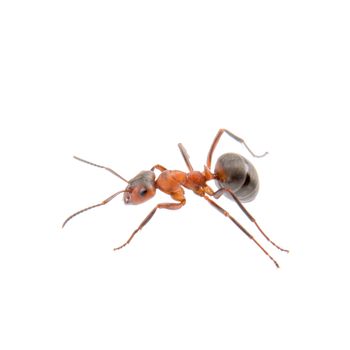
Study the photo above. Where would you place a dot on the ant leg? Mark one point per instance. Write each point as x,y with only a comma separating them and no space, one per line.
185,156
220,192
93,206
170,206
224,212
238,139
159,167
103,167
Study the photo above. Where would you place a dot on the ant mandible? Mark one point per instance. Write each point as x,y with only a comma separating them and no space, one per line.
235,176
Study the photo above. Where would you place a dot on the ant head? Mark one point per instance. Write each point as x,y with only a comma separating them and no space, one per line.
141,188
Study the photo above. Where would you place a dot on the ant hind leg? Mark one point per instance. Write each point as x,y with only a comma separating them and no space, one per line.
235,137
221,191
224,212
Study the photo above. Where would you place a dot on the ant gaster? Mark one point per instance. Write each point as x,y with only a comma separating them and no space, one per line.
235,176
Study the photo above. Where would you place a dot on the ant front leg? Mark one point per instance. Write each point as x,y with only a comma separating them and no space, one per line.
170,206
158,167
235,137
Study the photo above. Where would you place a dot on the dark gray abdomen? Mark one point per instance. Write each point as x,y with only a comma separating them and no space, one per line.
235,172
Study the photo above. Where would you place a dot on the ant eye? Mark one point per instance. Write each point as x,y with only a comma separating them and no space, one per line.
143,191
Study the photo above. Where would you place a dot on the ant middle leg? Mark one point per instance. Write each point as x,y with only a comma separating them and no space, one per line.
235,137
185,156
170,206
221,191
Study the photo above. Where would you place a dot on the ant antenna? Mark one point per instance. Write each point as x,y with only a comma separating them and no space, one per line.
93,206
101,166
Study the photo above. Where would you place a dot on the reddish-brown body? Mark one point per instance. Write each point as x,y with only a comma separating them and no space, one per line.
235,175
171,182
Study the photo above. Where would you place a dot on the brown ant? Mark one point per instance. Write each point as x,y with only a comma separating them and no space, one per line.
235,176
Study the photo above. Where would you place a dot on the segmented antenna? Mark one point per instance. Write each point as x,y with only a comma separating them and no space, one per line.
103,167
93,206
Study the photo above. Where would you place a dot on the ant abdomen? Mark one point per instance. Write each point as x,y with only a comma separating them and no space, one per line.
234,172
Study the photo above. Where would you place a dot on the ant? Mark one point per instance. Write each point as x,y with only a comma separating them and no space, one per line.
235,176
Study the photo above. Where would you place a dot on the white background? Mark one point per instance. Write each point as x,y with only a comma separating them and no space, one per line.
120,83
